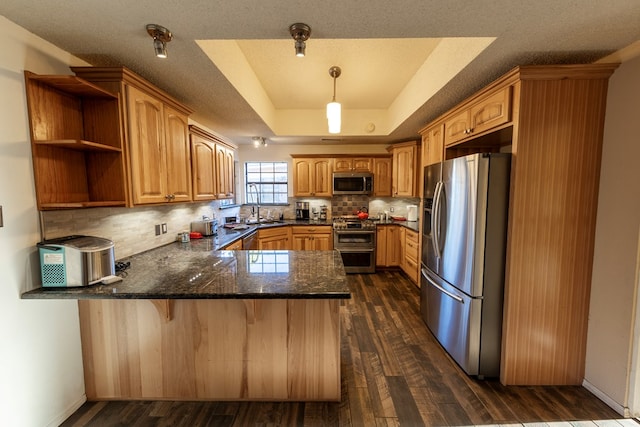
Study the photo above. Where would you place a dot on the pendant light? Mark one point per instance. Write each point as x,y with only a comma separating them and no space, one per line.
334,109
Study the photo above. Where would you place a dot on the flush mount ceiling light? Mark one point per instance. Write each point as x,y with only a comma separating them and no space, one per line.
161,36
300,33
259,141
334,108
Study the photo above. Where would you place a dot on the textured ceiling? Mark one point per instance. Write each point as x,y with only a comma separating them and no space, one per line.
350,32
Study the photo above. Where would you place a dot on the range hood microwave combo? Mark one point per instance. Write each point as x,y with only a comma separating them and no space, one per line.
352,183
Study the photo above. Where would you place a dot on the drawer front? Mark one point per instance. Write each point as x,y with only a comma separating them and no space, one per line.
411,250
273,232
321,229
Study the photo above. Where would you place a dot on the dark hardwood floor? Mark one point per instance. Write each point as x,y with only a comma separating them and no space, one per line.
393,373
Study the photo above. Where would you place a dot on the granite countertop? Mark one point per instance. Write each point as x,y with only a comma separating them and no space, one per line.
193,271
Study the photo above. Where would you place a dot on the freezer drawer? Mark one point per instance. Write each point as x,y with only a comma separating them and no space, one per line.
454,319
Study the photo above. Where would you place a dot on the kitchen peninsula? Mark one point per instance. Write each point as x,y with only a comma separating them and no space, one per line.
188,323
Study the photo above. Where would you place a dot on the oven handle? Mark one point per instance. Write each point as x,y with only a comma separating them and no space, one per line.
355,249
354,231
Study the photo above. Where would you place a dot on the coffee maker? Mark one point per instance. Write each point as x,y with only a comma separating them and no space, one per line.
302,210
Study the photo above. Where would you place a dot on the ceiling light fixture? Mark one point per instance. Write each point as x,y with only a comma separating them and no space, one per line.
259,141
334,109
300,33
161,36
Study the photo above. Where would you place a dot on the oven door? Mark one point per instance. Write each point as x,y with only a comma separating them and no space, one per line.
347,239
358,260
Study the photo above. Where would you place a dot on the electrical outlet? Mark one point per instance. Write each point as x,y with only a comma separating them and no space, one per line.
391,209
164,228
158,229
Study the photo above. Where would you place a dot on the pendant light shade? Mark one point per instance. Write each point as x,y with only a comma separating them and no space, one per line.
334,109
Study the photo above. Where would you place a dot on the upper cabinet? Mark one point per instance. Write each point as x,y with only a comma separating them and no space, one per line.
432,145
212,166
156,136
487,113
312,177
405,167
353,164
382,176
76,143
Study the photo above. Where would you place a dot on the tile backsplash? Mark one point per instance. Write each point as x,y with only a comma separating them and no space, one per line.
131,229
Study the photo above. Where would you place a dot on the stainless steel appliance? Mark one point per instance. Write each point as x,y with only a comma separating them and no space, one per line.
302,210
356,241
352,183
76,261
250,242
206,227
463,253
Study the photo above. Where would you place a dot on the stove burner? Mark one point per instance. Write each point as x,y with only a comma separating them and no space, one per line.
352,223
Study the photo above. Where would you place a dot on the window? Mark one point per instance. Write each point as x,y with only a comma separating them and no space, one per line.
269,180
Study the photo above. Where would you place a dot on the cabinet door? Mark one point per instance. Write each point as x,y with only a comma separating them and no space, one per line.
362,164
322,242
225,168
299,242
457,127
229,170
381,246
433,146
394,251
404,171
322,178
203,161
342,164
273,243
146,148
382,177
302,175
178,155
492,111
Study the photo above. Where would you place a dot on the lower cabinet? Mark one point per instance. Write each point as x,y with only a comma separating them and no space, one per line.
410,264
276,238
235,246
312,238
388,248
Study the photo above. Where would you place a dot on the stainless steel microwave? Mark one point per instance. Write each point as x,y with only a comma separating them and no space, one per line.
352,183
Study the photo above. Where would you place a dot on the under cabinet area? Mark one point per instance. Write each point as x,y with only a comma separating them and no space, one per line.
76,143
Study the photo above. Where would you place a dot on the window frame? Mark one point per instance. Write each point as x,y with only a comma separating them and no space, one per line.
247,183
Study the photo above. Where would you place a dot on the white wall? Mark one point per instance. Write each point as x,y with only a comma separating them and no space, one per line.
41,379
613,293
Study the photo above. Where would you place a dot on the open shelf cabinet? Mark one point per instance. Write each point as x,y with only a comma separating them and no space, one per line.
76,143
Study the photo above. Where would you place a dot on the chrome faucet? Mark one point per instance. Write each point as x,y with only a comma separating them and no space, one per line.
256,206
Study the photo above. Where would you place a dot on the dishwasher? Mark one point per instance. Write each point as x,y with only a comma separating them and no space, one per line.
250,241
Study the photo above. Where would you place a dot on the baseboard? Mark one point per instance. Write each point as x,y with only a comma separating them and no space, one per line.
68,412
606,399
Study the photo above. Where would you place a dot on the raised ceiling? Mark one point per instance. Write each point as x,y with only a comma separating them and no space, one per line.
404,62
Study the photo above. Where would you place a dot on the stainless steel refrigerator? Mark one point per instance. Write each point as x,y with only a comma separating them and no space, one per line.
463,257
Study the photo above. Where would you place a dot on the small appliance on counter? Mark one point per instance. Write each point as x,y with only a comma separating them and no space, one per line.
74,261
302,210
412,213
206,227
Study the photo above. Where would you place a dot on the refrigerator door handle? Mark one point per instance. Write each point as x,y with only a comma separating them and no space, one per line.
440,288
435,219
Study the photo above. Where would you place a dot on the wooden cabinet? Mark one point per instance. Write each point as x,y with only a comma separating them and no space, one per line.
312,177
235,246
276,238
404,170
410,262
159,150
212,166
353,164
76,144
226,168
388,249
487,113
552,119
312,238
156,136
432,145
382,176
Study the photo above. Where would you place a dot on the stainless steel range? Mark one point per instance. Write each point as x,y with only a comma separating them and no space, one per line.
355,239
